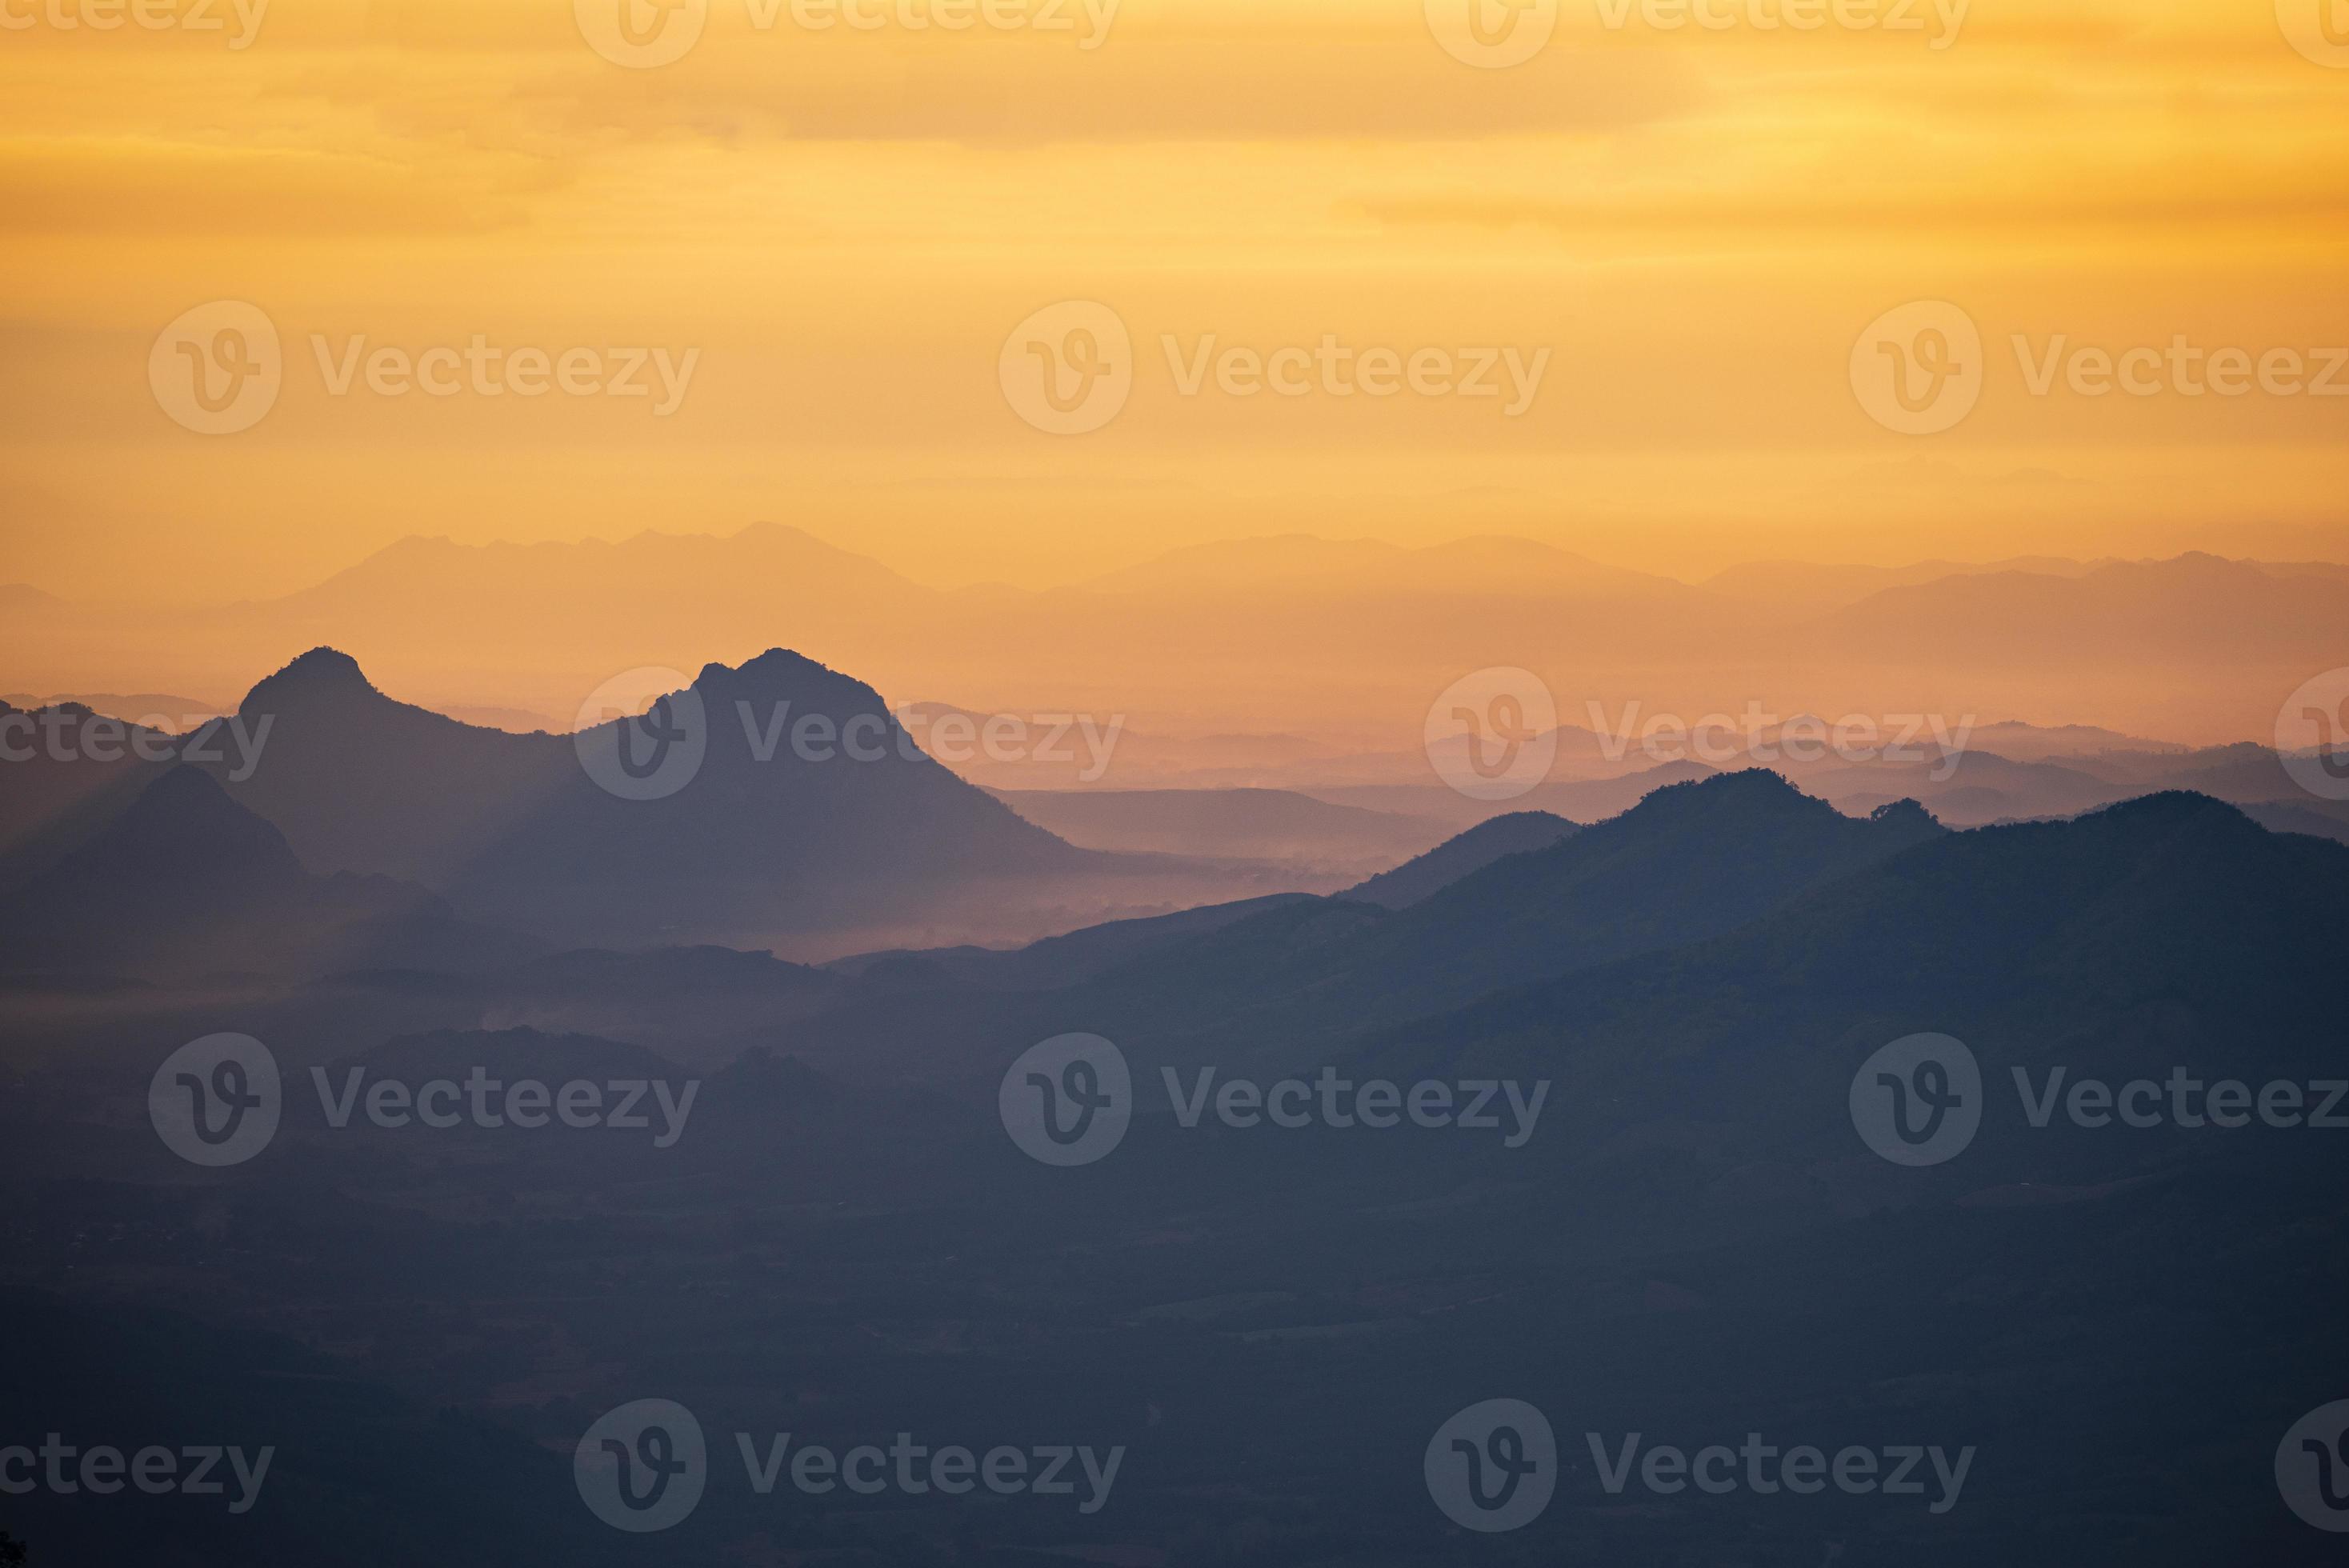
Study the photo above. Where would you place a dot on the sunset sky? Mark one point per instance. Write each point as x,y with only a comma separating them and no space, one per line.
1696,223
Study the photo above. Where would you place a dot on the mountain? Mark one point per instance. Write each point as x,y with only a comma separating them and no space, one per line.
183,880
1691,861
66,762
2165,930
794,806
1308,563
809,809
1265,634
1516,832
359,781
2195,609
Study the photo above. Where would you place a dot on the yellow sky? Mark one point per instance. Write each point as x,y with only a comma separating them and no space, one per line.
1695,223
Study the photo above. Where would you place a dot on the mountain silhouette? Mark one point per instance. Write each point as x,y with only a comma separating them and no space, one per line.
183,879
810,807
1512,834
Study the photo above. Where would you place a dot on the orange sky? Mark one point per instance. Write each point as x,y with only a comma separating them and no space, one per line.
844,226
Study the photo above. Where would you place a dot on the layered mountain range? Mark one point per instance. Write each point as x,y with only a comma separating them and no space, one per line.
1301,635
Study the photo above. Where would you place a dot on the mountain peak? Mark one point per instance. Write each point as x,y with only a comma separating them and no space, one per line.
321,672
779,674
1904,811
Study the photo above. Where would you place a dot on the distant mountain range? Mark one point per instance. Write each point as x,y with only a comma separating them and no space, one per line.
1298,635
803,818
